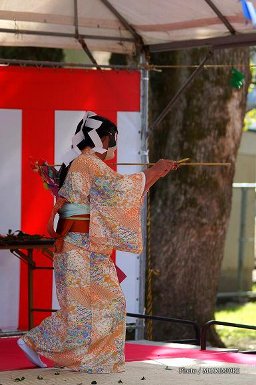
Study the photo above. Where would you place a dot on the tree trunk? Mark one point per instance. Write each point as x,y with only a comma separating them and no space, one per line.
190,208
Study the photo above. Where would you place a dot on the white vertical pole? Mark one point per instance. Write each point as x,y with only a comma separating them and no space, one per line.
144,86
10,214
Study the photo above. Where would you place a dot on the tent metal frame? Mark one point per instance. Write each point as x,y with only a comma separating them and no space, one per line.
64,34
80,38
221,17
45,63
231,40
136,37
144,92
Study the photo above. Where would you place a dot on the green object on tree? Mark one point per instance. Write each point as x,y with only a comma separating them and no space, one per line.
237,78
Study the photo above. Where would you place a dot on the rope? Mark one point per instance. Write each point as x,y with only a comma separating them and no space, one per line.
150,273
155,67
149,296
148,67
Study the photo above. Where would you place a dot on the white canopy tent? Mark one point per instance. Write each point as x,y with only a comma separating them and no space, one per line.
124,26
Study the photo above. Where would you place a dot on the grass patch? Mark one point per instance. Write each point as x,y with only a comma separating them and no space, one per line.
237,313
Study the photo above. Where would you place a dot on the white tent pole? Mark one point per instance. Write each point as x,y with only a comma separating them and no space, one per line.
144,85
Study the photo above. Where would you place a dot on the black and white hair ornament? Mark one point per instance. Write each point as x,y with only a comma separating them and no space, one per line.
93,125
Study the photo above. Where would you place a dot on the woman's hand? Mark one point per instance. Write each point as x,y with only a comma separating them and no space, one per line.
159,170
164,166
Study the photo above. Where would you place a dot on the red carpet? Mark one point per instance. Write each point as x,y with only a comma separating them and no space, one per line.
12,358
136,352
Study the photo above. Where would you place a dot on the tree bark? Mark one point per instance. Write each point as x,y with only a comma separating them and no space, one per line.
190,208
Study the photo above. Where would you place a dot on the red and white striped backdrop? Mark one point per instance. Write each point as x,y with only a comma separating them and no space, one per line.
39,110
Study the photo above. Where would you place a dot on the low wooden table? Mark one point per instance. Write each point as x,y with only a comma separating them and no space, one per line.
23,249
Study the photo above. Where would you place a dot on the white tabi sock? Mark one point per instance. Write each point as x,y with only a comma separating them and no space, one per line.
31,354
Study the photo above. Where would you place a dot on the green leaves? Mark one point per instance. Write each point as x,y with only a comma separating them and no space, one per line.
237,78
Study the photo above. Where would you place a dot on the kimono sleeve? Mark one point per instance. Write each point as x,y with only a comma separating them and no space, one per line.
115,209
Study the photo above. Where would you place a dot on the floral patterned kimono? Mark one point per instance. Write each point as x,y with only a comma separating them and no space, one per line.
88,332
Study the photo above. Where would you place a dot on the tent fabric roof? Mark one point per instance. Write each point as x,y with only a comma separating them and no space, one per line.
124,25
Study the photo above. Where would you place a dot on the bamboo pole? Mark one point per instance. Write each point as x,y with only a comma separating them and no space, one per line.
182,162
205,164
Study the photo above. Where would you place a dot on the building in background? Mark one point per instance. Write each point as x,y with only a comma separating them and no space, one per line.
239,256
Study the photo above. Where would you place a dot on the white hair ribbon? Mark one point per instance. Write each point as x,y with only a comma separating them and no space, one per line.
98,147
79,137
88,114
94,124
74,151
69,156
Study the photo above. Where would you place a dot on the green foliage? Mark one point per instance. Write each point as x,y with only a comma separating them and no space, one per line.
237,78
118,59
250,116
237,313
250,120
32,53
253,71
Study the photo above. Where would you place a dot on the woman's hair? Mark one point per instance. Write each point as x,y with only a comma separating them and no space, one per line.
106,128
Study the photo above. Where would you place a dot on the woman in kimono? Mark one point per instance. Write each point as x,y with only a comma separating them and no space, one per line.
100,210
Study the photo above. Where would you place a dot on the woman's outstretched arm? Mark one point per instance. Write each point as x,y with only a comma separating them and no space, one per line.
159,170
